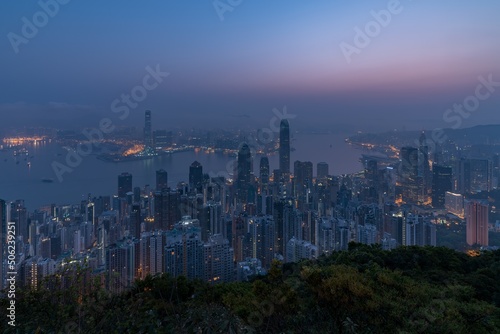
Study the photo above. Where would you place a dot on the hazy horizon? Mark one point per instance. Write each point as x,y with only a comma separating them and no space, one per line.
260,56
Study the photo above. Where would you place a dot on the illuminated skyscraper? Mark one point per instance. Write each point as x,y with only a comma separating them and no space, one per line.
476,216
285,147
148,135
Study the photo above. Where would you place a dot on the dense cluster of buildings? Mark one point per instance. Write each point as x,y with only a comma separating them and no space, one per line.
219,229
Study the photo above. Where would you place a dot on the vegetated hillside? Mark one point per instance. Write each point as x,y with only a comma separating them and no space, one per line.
363,290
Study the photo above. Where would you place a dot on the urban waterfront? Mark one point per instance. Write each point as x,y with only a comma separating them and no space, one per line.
20,181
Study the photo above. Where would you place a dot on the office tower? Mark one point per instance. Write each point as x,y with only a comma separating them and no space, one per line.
302,181
167,209
476,217
264,172
474,176
303,175
196,177
135,221
137,195
424,171
243,174
3,241
284,147
410,181
148,136
442,178
322,170
161,180
124,185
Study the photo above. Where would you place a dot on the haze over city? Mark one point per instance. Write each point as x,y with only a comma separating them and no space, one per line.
260,56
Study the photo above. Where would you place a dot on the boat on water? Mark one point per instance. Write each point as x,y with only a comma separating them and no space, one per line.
47,180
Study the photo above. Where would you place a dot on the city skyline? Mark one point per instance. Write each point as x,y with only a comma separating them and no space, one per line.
237,166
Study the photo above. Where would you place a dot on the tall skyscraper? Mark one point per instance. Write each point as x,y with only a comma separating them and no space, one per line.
244,173
442,177
410,180
148,135
124,184
135,221
264,171
322,170
196,177
474,175
302,180
167,209
476,217
285,147
161,180
424,171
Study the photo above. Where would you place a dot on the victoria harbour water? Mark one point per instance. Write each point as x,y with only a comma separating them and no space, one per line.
20,180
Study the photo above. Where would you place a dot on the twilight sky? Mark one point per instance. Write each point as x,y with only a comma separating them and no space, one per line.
264,54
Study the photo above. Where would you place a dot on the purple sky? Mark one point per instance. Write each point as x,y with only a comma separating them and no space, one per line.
261,56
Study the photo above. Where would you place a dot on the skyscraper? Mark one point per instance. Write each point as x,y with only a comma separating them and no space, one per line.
167,209
244,173
302,180
124,184
161,180
264,171
441,183
409,177
322,170
135,221
424,171
285,147
474,175
148,135
196,177
476,216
